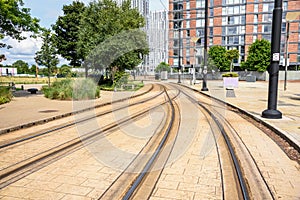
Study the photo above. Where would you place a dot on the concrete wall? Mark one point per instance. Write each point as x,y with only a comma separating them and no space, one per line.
291,75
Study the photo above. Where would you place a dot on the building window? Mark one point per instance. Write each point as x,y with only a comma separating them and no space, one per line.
224,10
187,5
232,30
211,31
242,39
243,19
223,40
254,38
242,49
210,40
243,10
242,29
256,8
200,32
255,19
224,20
211,21
211,12
188,24
200,22
200,4
267,37
223,30
188,33
254,28
266,28
267,17
268,7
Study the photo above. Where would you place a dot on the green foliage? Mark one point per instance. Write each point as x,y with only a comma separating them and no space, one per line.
258,56
66,32
47,55
163,67
230,74
81,89
106,39
218,56
2,57
232,54
121,78
22,67
15,19
32,69
65,71
5,95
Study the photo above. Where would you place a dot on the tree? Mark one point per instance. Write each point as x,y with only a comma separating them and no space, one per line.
65,71
109,34
33,69
163,67
66,33
218,55
47,56
2,57
232,54
258,56
15,19
22,67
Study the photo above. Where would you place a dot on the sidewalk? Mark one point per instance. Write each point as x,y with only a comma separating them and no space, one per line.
253,98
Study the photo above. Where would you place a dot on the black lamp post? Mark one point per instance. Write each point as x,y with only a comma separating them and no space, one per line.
204,84
179,52
273,69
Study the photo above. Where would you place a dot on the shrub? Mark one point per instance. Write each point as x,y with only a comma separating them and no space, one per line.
69,89
230,74
5,95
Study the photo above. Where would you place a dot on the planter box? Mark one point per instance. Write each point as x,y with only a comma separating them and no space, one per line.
231,82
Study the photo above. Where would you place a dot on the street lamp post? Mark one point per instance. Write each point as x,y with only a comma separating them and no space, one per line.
179,53
204,84
273,69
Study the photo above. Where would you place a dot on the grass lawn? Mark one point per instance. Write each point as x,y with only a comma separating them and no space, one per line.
4,80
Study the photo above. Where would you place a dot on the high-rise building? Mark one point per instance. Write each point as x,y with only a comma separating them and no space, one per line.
231,23
158,39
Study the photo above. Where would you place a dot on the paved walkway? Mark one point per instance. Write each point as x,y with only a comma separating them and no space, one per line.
253,98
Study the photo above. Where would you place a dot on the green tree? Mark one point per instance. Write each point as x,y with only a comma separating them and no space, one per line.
231,55
258,56
33,69
65,71
163,67
22,67
106,21
66,31
15,19
218,56
47,56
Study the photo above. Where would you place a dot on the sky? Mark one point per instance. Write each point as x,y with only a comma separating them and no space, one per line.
47,11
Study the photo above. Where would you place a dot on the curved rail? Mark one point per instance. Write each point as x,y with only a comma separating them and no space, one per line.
75,123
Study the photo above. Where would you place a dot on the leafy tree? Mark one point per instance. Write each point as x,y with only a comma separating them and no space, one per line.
47,56
232,54
106,21
163,67
218,55
32,69
258,56
22,67
2,57
65,71
15,19
66,31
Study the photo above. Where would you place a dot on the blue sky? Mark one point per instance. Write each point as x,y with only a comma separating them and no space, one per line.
47,11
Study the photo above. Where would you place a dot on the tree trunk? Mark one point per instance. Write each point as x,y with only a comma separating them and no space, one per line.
48,76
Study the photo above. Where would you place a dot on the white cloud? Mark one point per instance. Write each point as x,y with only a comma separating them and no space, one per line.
22,50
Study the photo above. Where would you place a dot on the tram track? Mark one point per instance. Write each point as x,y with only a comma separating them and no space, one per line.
43,121
23,168
251,181
76,122
150,162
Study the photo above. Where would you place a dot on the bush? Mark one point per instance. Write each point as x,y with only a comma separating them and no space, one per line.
230,74
5,95
69,89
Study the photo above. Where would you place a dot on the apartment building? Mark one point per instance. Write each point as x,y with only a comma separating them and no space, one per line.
231,23
158,39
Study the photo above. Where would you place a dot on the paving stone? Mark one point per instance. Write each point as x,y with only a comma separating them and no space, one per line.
74,189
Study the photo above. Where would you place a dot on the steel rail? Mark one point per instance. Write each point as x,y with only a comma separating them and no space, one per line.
74,123
150,162
241,178
64,147
43,121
